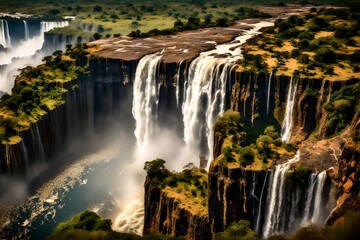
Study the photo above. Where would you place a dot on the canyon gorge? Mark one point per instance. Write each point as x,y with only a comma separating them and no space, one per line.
162,96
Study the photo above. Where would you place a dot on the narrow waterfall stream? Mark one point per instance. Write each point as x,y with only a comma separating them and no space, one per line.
26,30
288,118
268,93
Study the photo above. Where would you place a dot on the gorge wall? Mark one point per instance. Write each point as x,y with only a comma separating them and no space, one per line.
166,215
178,103
107,93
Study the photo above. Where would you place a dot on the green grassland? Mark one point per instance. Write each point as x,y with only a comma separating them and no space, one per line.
323,44
121,17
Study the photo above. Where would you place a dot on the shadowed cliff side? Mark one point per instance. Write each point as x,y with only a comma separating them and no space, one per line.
175,203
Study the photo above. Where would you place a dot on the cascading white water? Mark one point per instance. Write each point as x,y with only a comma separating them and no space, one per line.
21,55
205,90
280,200
309,198
5,39
288,118
146,97
26,30
276,195
316,217
178,84
268,94
31,45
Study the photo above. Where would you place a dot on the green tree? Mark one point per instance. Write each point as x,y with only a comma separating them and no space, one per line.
156,168
246,156
237,231
97,8
263,143
271,132
325,55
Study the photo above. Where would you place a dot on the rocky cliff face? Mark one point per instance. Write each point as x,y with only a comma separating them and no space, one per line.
235,194
90,104
347,179
166,215
252,94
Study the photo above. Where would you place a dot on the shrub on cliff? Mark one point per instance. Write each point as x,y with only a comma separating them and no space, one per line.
246,156
229,122
297,177
237,231
88,225
325,55
343,105
156,168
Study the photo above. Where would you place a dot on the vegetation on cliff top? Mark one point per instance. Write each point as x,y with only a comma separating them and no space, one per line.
343,106
38,91
323,44
188,187
123,17
194,23
236,152
89,226
237,231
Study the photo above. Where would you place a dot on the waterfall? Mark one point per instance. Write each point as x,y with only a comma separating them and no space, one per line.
146,97
309,198
316,217
257,224
205,91
47,26
26,30
268,94
288,118
37,141
284,208
207,80
22,54
25,155
178,84
5,39
275,199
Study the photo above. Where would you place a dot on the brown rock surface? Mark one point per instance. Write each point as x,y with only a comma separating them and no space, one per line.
176,48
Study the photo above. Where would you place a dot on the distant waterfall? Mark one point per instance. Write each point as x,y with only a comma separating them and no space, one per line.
47,26
288,208
5,39
288,118
26,30
146,97
205,91
24,53
268,94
